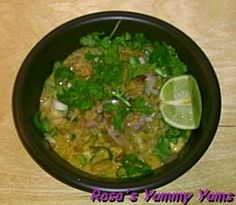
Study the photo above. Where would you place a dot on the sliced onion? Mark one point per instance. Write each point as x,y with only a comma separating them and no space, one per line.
141,122
141,60
150,82
148,119
91,124
114,101
114,135
51,140
57,105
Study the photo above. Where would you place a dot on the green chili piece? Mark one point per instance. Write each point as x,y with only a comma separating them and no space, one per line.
83,160
121,173
101,153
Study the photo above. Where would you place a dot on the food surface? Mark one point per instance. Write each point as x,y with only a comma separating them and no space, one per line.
108,108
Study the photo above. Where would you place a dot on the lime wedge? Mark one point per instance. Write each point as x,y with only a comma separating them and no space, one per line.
180,102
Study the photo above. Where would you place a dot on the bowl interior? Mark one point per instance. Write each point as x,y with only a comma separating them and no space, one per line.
59,44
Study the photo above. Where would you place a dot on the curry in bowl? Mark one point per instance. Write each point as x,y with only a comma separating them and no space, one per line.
102,108
109,109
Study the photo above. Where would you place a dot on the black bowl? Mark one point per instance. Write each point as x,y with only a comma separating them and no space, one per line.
60,43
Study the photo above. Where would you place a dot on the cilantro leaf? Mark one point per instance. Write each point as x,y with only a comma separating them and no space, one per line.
111,55
141,106
136,69
167,61
110,107
76,92
91,40
162,149
123,40
105,42
172,135
44,125
89,56
84,103
119,116
140,41
134,166
139,37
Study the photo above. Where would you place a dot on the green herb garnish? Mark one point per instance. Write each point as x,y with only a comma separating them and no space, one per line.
134,167
111,73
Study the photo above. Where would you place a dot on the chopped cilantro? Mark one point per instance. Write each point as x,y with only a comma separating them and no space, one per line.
110,73
141,106
110,107
76,92
140,41
162,149
166,60
118,118
89,56
105,42
172,135
111,55
136,69
134,167
44,125
92,39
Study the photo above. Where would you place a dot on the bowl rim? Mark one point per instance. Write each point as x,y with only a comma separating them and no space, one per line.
56,171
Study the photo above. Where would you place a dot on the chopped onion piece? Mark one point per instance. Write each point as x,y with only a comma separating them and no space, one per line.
141,122
150,82
57,105
148,118
114,101
69,85
141,60
114,135
51,140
